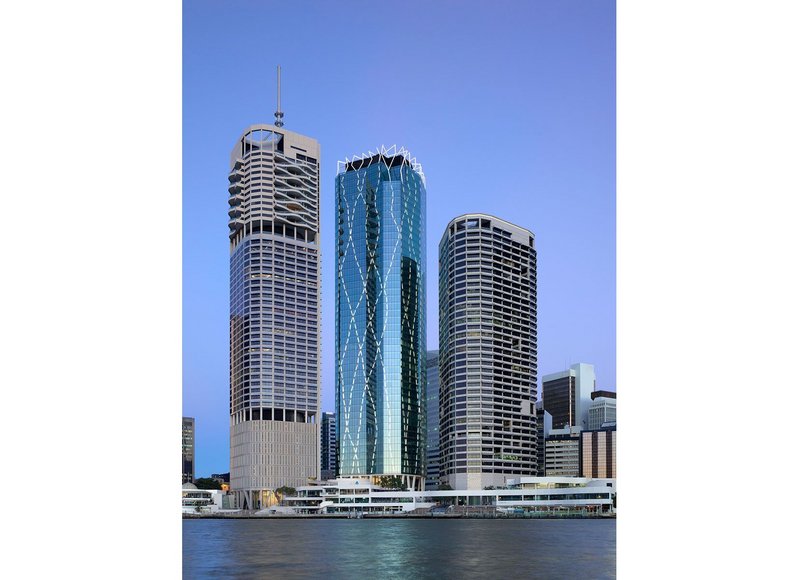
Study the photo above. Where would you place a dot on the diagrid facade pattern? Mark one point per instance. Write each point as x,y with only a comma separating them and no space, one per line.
380,317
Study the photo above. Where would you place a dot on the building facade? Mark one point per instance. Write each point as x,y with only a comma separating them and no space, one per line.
488,352
380,317
567,395
526,495
274,312
602,411
328,445
544,426
563,452
598,453
433,451
188,450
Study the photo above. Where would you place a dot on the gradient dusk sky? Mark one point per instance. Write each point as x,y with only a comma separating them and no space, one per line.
508,106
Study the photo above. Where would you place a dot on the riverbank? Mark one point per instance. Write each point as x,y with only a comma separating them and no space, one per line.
406,516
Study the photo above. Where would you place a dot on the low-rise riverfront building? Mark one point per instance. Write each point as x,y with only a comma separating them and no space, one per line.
195,500
361,495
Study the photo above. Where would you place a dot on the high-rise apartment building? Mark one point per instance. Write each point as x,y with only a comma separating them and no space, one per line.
380,317
433,450
187,450
567,395
328,445
274,312
488,352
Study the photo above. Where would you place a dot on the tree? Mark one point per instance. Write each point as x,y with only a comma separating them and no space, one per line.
207,483
391,482
445,487
285,490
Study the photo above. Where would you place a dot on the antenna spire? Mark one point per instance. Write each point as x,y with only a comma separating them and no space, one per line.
278,113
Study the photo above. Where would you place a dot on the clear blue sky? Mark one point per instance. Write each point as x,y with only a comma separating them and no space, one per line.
508,106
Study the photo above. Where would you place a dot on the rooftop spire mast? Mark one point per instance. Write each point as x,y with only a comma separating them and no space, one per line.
278,113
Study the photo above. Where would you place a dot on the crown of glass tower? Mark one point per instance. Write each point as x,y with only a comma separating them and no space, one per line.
380,316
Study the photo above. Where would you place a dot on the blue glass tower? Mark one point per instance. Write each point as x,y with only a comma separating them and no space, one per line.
380,317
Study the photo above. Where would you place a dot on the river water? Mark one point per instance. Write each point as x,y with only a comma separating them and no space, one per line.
386,548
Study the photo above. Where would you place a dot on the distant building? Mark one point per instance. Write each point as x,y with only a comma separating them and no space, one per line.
598,453
544,426
488,352
602,411
567,395
601,393
328,445
563,452
188,450
433,450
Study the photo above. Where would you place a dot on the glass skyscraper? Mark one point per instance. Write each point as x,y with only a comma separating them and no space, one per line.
380,317
274,312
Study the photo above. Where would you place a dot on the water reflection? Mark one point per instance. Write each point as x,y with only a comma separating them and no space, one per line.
399,549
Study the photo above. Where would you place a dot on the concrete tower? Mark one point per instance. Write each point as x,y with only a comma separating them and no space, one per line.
488,352
274,312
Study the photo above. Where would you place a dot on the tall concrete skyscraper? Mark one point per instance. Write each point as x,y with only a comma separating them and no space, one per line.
274,312
488,352
567,395
380,317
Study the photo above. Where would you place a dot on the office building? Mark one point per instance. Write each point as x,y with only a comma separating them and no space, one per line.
544,426
602,411
328,445
563,452
188,450
433,452
274,312
488,352
380,317
567,395
598,453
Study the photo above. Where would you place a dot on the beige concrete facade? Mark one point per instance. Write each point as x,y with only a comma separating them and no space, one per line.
275,313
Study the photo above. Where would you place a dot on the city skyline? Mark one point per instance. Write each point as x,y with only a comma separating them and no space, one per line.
545,117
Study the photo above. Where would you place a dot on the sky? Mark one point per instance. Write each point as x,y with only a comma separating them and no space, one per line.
508,106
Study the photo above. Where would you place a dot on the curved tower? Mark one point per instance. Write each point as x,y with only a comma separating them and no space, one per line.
274,313
488,352
380,318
